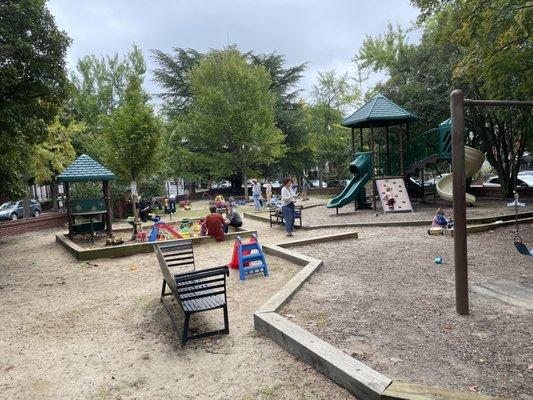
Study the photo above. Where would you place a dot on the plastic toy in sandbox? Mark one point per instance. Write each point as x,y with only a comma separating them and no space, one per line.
163,231
248,258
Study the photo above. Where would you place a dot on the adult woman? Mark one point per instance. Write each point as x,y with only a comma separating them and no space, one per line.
287,205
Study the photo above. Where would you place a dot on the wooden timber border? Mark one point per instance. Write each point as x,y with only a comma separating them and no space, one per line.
522,217
128,249
359,379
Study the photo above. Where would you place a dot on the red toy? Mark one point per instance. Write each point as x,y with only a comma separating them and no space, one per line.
234,263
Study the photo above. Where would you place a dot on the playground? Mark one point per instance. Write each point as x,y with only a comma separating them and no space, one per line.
384,296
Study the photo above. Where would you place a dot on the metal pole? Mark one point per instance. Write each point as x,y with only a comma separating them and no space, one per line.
459,202
361,138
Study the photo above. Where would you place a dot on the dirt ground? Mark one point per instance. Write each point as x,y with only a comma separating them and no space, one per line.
382,300
96,330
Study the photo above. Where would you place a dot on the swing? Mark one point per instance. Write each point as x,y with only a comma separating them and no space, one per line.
518,242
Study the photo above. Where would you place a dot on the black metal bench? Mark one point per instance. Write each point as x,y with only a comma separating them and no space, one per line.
194,290
276,216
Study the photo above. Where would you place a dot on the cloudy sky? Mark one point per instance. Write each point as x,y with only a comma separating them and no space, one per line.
325,34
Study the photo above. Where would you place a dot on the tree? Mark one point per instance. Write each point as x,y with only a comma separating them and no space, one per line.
230,124
33,85
290,114
132,135
98,88
481,47
51,157
172,75
332,95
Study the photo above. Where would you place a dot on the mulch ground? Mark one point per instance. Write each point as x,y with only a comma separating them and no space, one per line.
382,300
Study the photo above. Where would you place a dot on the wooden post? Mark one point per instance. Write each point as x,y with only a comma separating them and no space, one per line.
459,202
66,189
107,198
361,138
372,145
353,143
388,149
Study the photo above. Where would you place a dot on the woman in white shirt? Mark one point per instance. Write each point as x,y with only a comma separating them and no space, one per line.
288,196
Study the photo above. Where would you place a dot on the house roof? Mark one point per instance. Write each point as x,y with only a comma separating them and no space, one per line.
85,169
379,111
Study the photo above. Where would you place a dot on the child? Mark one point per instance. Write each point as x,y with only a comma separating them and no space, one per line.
439,220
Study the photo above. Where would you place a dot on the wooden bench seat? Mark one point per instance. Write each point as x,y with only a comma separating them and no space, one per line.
194,290
276,216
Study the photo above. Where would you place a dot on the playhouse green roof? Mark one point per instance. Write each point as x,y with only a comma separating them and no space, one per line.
85,169
379,111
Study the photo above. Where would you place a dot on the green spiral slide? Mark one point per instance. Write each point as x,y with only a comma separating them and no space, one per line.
361,168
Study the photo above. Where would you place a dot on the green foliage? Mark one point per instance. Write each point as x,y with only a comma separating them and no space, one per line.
86,190
98,88
332,95
230,124
482,47
51,157
132,135
33,85
173,76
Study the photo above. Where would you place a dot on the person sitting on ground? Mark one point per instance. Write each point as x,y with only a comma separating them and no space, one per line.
440,221
234,219
215,224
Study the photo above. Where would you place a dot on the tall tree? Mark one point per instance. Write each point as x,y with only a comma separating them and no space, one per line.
332,95
290,114
33,85
481,47
98,88
132,137
49,158
172,75
231,118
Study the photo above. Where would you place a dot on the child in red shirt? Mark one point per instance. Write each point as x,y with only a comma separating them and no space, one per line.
215,224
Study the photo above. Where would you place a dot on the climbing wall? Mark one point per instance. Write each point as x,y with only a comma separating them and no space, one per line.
393,195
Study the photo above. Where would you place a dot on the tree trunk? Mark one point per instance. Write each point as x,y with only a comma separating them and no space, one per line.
245,181
134,200
53,191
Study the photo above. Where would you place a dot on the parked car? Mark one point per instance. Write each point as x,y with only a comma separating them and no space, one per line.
433,181
14,210
338,183
221,185
526,173
314,183
522,181
276,184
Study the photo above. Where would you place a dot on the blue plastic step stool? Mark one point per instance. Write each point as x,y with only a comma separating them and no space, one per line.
256,258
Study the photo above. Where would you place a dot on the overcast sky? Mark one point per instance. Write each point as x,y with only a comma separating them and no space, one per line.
325,34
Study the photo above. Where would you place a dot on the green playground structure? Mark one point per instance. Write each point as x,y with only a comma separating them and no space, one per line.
399,155
361,168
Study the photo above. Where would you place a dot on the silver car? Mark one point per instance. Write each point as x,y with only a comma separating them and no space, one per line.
14,210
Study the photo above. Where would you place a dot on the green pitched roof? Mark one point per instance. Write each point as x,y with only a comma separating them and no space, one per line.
85,169
379,111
